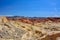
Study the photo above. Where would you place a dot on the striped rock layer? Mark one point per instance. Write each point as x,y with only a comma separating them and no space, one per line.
27,28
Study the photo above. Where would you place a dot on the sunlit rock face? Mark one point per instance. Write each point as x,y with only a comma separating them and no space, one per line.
29,28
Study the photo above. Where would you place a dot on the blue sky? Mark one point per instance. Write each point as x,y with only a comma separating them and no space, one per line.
39,8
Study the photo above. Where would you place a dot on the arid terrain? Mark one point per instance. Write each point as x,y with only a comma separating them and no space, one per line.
29,28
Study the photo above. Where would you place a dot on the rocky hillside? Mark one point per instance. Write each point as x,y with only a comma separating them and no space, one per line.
29,28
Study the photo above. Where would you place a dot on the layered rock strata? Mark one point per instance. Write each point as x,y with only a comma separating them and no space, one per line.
22,28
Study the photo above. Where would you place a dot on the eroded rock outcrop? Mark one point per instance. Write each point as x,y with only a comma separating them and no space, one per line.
22,28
